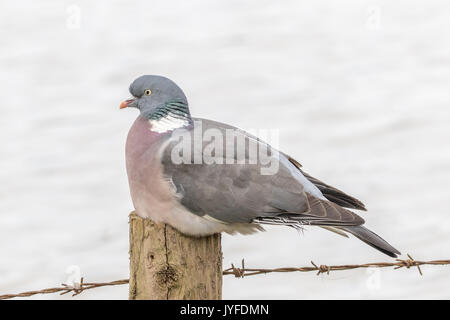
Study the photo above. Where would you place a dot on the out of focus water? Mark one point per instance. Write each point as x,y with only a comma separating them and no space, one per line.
360,93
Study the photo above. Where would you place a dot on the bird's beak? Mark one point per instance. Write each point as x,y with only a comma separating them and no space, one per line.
127,103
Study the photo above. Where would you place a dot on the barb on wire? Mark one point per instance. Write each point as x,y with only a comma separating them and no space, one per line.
241,272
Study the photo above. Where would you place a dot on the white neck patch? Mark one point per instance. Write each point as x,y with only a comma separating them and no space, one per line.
167,123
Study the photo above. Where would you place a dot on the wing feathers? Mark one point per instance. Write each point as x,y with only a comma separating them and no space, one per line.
320,213
239,193
331,212
331,193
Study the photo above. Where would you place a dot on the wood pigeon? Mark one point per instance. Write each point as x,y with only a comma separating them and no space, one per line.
204,177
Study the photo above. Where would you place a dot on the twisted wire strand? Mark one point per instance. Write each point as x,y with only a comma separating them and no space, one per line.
241,273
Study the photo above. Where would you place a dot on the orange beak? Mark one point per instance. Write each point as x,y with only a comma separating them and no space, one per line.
126,103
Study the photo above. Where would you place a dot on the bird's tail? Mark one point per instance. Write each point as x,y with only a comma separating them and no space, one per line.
372,240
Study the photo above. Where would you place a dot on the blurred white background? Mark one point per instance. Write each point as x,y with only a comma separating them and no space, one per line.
359,91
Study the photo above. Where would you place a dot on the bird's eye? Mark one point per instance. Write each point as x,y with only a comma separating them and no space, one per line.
148,92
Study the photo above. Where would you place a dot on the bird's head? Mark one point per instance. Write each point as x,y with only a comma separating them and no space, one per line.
156,96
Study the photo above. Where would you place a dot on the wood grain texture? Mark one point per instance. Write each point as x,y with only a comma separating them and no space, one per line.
167,265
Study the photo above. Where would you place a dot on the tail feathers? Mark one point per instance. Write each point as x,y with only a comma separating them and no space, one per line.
372,240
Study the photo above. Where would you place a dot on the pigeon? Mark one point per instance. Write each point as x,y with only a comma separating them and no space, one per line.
204,177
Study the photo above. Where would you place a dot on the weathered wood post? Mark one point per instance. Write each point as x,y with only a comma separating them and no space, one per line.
167,265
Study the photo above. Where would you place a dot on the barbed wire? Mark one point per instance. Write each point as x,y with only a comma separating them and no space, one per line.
400,263
76,289
241,273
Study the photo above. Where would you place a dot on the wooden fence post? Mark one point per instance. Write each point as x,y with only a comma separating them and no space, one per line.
167,265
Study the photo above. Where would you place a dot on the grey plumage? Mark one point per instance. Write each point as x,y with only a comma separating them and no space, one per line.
226,190
238,193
